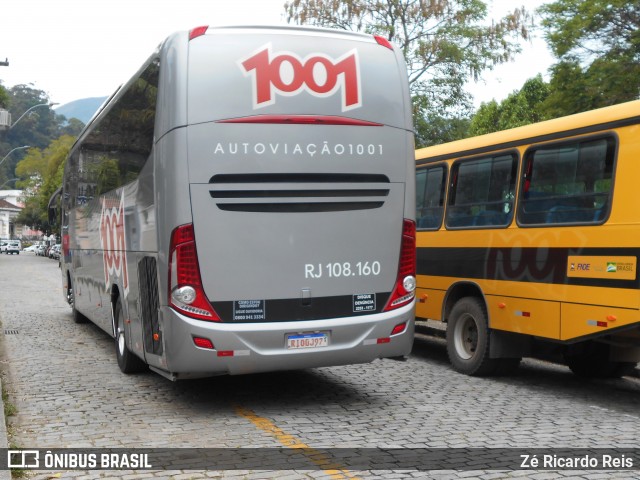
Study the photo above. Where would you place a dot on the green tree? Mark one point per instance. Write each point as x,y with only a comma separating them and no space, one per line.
433,129
486,119
521,107
39,126
445,43
40,173
73,127
4,97
36,129
597,44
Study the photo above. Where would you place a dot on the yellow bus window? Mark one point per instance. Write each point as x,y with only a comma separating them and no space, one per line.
482,192
568,183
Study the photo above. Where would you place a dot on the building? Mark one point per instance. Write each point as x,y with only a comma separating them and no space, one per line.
8,213
13,196
11,204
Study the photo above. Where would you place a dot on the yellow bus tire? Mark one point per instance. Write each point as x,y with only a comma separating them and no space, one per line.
468,338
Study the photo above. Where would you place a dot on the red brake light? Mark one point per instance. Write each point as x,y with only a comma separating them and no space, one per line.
401,327
65,245
186,294
303,119
203,343
404,290
383,41
198,32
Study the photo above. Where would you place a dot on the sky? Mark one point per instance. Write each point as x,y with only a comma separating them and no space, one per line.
73,49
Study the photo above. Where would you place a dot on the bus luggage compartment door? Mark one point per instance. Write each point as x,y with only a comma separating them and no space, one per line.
281,241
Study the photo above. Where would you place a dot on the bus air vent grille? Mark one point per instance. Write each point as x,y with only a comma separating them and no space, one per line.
298,193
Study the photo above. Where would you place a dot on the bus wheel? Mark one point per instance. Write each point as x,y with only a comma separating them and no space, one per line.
71,299
468,338
127,361
592,361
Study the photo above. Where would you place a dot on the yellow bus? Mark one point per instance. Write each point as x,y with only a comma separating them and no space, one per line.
529,239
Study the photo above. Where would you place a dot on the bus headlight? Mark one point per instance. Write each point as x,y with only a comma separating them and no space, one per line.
409,283
184,295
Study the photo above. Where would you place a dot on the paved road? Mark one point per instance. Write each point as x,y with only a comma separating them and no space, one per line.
69,393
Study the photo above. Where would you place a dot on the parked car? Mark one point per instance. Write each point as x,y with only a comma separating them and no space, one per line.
54,252
3,246
14,246
30,248
40,250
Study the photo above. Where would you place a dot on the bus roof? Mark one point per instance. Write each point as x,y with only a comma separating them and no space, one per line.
581,123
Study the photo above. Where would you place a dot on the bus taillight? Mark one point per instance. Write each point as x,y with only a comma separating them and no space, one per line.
401,327
185,285
404,290
198,32
383,41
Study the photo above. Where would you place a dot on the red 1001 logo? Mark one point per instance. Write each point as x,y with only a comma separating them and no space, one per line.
112,242
287,74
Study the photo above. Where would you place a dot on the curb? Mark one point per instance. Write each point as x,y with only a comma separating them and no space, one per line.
4,441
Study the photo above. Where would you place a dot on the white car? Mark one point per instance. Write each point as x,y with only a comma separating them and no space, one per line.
31,248
14,246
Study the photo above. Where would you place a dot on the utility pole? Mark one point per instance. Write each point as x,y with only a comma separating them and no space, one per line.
5,116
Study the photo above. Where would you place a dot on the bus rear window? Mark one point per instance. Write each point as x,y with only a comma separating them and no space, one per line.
567,183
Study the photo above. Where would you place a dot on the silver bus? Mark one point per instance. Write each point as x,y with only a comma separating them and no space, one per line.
245,203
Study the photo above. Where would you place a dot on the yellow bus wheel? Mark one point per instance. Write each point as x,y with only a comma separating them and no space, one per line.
468,338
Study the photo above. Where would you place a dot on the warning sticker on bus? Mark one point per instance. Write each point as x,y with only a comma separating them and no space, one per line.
364,302
249,311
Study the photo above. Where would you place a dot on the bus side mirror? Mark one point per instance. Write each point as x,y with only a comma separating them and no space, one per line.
53,206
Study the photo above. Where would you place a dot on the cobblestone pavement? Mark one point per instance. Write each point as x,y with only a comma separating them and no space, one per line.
65,384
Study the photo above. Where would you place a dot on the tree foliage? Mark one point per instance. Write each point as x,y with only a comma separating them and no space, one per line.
445,42
597,44
521,107
40,173
73,127
433,129
37,128
4,97
592,29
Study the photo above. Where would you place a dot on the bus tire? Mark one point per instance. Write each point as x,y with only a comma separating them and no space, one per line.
468,337
127,361
592,361
71,298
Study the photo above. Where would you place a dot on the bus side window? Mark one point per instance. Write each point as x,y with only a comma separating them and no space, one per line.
568,183
115,152
430,183
483,193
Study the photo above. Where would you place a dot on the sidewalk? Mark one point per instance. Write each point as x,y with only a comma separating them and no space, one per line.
4,441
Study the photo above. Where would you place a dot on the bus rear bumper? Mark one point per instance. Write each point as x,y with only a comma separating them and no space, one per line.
243,348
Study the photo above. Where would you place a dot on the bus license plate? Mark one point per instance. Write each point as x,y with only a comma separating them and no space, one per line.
307,340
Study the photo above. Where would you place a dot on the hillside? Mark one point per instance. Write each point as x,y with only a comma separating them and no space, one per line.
82,109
